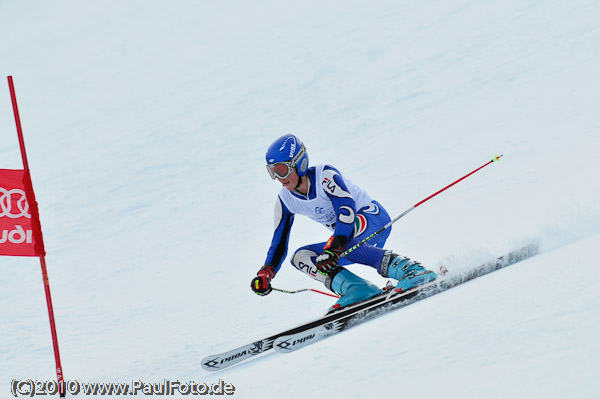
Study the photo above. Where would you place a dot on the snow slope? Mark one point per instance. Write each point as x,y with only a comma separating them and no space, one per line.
146,125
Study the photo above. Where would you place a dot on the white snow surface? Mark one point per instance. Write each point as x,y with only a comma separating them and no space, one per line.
146,124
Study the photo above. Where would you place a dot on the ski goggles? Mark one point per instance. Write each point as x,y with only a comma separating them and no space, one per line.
284,169
280,169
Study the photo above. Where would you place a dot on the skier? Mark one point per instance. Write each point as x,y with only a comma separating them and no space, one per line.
323,194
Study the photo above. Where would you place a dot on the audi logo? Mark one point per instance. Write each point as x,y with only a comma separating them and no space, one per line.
6,203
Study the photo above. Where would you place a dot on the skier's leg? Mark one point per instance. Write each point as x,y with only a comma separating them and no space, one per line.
409,273
369,220
349,286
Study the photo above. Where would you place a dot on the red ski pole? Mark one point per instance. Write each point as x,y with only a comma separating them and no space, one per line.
354,247
303,290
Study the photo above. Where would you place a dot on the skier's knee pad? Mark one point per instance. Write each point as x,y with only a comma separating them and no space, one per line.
304,260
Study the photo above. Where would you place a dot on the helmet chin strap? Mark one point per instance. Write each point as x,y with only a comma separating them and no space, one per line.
299,182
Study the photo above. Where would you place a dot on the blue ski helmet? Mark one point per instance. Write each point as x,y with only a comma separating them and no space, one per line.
290,151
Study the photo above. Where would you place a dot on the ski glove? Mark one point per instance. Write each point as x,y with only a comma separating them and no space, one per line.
328,260
261,284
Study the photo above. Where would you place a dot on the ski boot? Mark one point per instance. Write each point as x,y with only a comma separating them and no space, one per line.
409,273
351,288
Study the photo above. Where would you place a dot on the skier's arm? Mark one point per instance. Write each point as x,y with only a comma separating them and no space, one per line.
261,284
281,236
345,210
343,203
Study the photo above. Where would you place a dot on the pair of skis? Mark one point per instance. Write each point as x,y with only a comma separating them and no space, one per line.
332,323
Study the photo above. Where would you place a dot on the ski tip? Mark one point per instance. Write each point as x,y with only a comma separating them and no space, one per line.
497,158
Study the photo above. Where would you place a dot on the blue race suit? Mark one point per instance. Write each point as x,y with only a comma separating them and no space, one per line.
339,205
